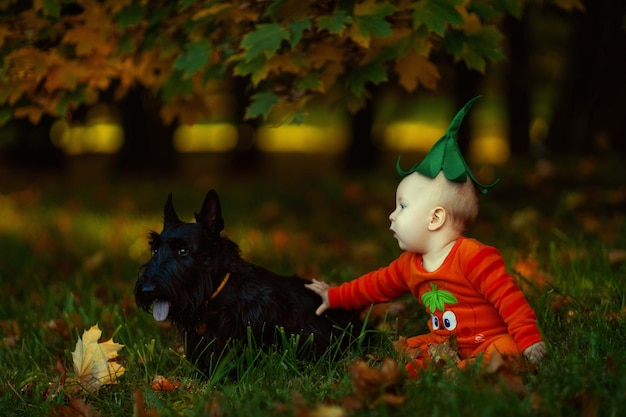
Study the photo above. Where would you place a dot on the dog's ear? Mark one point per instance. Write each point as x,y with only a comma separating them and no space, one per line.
169,215
210,215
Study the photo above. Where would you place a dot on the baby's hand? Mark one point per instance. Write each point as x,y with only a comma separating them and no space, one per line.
321,289
534,353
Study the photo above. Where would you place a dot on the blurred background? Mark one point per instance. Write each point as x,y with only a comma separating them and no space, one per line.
86,162
554,87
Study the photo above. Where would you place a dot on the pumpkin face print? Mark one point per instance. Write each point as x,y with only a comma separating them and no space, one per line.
438,303
448,315
446,321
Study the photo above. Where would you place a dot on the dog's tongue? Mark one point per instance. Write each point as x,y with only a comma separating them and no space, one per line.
160,309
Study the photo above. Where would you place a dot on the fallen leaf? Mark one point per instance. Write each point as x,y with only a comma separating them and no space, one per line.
325,410
76,408
161,383
561,302
499,372
444,354
529,276
93,361
10,331
373,385
140,409
617,256
58,383
403,348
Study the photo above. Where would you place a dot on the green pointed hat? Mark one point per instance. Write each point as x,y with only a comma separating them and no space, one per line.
445,156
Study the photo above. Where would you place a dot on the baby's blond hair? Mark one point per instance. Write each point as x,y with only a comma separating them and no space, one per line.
460,200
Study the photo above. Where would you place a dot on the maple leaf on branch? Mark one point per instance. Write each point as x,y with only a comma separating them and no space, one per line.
292,53
415,70
435,15
93,361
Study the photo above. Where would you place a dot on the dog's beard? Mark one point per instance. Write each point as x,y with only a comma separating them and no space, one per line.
169,294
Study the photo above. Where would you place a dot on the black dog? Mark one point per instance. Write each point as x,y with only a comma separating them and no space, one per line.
197,279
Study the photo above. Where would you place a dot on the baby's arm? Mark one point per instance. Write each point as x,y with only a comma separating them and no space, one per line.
321,289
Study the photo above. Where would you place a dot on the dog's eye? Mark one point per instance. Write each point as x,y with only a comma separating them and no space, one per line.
183,252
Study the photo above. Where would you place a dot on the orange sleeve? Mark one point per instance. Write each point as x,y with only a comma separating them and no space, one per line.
380,286
486,271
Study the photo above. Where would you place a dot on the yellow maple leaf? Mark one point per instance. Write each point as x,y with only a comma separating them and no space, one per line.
4,33
471,22
65,76
279,63
93,361
322,53
211,10
85,39
569,5
33,113
355,33
415,69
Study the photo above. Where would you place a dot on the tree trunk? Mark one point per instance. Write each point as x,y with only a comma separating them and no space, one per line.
362,154
148,146
246,157
466,87
591,110
518,87
32,147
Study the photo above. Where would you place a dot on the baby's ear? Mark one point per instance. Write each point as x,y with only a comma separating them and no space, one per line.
438,217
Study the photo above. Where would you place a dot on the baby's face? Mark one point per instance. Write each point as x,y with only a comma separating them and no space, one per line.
414,204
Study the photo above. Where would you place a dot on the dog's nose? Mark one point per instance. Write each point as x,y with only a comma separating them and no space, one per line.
145,288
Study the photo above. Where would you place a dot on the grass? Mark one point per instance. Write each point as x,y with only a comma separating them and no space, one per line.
71,247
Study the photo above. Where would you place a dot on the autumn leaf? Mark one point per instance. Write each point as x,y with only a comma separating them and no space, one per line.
32,112
10,332
402,347
435,15
65,76
58,383
195,58
501,373
616,256
326,410
373,386
335,23
51,8
93,361
327,53
297,29
4,33
130,15
369,21
443,354
261,105
529,276
140,409
265,40
84,38
161,383
285,63
77,407
211,10
569,5
415,70
373,72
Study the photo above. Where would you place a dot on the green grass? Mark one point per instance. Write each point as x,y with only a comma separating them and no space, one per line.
71,249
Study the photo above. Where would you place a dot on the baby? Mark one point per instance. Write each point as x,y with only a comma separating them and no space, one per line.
462,283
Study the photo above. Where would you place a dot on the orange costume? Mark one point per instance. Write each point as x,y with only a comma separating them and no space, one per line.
470,295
